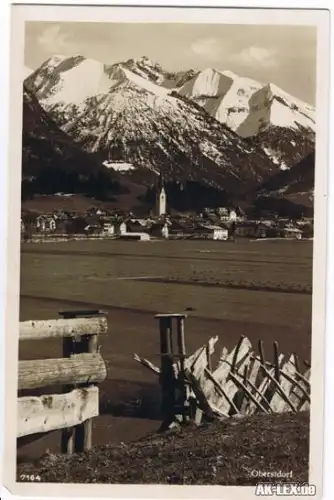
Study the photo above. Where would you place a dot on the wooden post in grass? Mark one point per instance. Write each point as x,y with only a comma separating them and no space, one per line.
171,407
79,438
182,378
167,375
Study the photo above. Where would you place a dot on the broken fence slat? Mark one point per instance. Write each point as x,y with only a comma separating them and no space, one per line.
248,393
297,385
208,358
198,416
198,391
253,371
191,360
221,389
240,397
296,360
197,368
278,403
261,352
267,363
218,412
147,364
298,397
223,356
224,367
236,352
260,396
222,374
305,377
274,404
263,387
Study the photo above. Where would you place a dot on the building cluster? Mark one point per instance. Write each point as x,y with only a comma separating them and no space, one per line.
103,224
220,223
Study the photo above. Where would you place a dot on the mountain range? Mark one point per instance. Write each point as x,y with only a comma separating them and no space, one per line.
215,128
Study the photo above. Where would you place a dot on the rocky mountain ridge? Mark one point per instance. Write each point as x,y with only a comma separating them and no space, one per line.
123,116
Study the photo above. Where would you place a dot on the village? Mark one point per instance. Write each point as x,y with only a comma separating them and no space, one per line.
221,224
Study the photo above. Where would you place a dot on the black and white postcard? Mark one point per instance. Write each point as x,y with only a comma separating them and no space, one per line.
167,252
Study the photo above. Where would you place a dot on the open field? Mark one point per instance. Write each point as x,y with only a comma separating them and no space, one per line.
227,289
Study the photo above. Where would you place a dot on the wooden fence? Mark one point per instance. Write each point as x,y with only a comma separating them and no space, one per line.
242,383
78,372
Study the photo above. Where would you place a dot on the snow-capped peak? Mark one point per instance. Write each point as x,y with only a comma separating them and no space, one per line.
146,68
146,60
272,106
74,80
245,105
144,83
292,101
242,80
229,73
55,60
207,83
70,86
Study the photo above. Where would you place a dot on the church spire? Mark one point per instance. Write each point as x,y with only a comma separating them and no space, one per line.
161,182
161,199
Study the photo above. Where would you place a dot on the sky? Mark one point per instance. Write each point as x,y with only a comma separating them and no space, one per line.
284,55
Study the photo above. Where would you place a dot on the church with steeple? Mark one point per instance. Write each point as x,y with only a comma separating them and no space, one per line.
161,198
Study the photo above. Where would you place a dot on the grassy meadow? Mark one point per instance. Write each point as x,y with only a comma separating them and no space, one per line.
261,289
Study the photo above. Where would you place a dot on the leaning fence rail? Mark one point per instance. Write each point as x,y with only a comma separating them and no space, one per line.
78,372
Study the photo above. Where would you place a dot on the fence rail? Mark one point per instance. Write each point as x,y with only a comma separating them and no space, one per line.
78,372
60,328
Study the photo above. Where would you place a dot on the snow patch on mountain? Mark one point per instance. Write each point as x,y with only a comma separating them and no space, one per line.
285,111
119,166
208,83
272,155
234,107
144,83
85,80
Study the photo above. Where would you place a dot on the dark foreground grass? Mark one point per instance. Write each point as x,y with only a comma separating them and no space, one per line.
222,453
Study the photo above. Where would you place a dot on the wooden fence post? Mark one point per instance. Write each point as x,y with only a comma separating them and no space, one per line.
171,407
68,435
83,441
167,375
182,377
79,438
